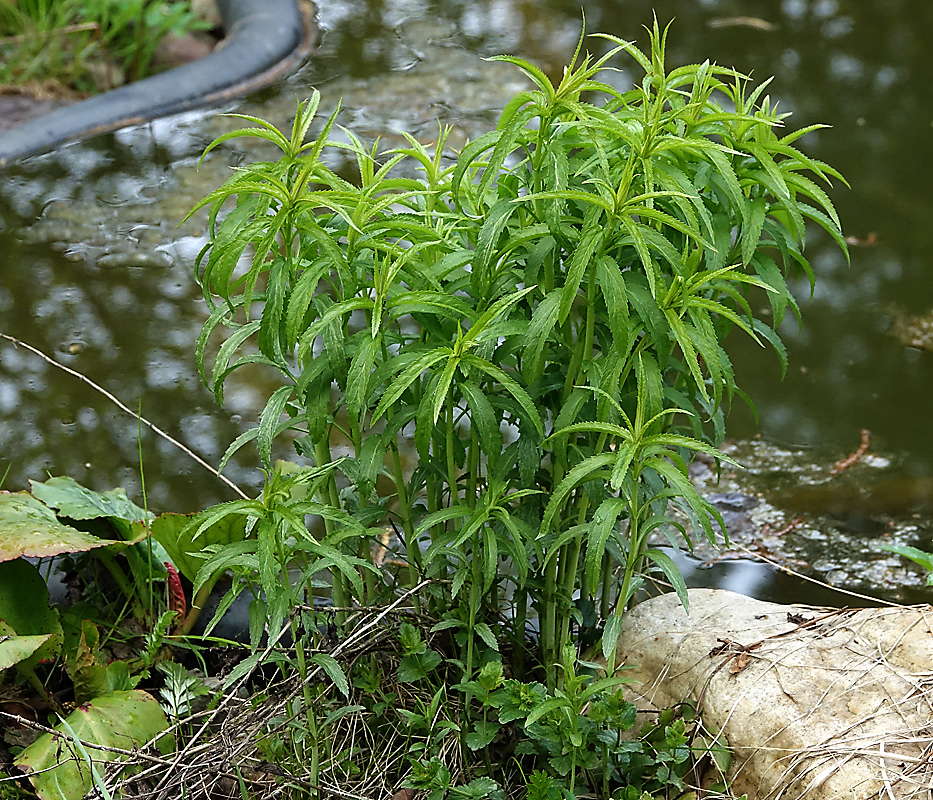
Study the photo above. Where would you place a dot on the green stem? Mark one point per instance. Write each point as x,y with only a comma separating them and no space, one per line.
341,591
472,469
549,624
309,705
119,577
520,601
412,553
412,550
605,605
631,562
303,672
451,464
571,555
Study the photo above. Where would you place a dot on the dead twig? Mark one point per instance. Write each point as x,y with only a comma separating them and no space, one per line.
854,458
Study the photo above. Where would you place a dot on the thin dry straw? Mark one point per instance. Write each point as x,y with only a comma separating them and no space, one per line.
158,431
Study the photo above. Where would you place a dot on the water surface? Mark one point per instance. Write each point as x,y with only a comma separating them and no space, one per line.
96,269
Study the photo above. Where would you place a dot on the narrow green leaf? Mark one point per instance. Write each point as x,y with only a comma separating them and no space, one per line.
666,564
588,469
268,422
333,670
604,523
543,320
751,231
408,376
491,314
484,419
591,240
361,367
611,637
511,386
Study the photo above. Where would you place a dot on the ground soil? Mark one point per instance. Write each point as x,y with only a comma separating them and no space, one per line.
18,106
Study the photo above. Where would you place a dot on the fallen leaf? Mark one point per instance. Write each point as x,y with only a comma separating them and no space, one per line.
740,662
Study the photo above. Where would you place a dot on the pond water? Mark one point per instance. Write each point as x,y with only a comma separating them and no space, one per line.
96,269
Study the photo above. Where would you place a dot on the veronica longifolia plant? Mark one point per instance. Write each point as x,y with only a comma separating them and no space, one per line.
542,315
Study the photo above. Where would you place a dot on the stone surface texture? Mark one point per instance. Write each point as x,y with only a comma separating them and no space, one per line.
815,703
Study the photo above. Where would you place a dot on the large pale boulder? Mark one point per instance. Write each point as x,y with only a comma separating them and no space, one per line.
815,703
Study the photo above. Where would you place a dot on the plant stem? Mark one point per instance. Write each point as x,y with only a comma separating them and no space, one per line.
341,590
119,577
549,623
451,464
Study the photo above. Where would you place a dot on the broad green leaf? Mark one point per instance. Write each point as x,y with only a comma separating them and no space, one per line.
57,765
14,649
418,666
76,502
30,528
177,535
24,607
484,731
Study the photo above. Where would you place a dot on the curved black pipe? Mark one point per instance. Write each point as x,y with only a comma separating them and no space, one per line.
263,39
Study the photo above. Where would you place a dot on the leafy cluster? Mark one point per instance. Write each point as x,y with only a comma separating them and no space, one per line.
542,316
579,740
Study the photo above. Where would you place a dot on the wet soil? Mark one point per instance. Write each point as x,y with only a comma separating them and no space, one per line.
19,105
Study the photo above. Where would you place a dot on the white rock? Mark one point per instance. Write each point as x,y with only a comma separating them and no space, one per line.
815,703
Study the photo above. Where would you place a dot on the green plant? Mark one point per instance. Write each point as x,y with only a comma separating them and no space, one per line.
581,738
919,557
542,316
103,534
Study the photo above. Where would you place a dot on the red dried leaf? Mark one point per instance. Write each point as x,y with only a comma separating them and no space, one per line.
176,594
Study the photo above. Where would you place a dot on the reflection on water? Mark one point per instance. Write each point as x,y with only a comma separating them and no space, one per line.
97,271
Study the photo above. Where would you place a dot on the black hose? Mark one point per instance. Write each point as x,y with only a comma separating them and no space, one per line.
263,39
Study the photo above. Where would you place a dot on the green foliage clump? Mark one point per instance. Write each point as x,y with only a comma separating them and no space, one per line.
516,350
542,317
580,740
